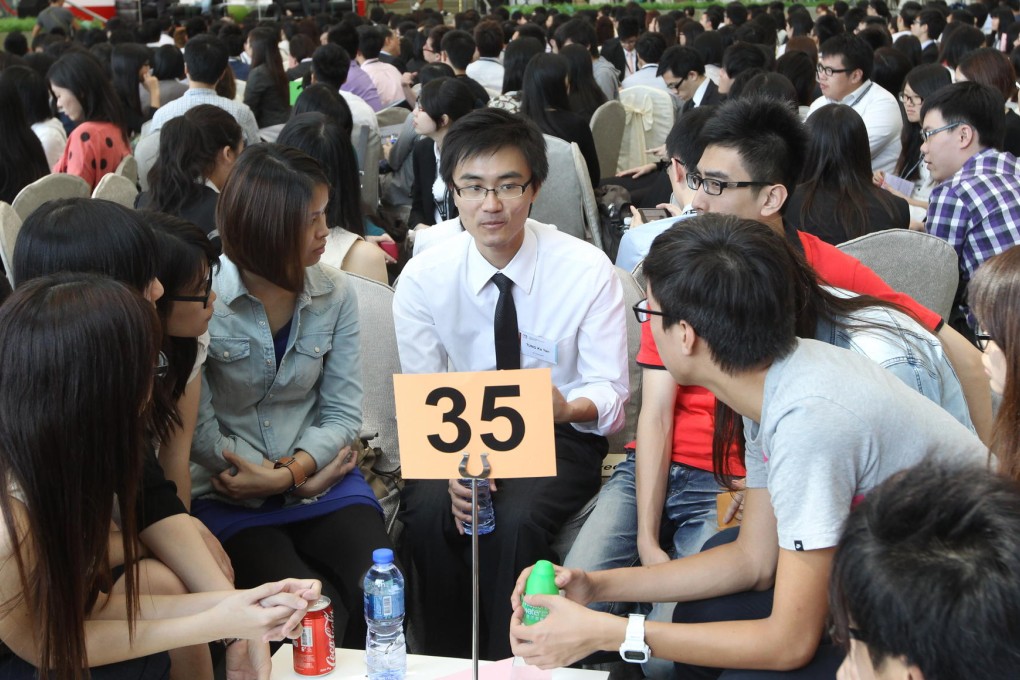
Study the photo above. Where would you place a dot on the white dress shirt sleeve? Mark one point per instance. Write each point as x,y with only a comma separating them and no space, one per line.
418,342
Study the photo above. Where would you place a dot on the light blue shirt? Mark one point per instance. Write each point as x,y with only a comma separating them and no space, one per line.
258,410
200,95
638,240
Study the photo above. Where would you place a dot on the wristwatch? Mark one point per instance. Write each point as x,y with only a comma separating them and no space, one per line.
296,471
634,649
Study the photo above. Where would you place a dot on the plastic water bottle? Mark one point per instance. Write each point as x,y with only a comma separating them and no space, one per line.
486,513
541,581
385,649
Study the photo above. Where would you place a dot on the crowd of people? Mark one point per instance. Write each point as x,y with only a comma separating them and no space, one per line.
181,382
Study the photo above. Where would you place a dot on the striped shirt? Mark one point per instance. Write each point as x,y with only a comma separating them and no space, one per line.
200,95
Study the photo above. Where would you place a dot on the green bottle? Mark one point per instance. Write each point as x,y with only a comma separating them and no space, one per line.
541,581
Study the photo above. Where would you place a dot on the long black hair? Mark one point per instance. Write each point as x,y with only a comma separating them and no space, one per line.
326,141
516,56
126,60
838,165
24,160
265,51
585,94
188,146
545,87
77,353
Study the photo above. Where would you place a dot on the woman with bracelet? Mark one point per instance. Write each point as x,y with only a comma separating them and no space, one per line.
275,475
78,354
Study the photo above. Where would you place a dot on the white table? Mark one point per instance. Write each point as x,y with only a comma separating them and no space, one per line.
350,665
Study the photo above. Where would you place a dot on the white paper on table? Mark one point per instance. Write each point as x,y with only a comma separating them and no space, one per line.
503,670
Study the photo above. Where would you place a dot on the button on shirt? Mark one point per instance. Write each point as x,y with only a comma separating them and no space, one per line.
565,292
881,114
249,405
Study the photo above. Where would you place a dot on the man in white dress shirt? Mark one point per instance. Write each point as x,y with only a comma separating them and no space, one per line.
845,63
450,312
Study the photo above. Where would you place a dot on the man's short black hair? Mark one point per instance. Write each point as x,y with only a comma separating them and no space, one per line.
741,56
489,39
459,47
485,131
854,51
684,141
800,23
715,16
628,27
680,61
736,13
766,133
973,104
206,59
370,41
731,280
579,32
330,64
650,47
934,20
16,43
344,34
934,582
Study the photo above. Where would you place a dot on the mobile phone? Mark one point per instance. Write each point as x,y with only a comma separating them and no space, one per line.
652,214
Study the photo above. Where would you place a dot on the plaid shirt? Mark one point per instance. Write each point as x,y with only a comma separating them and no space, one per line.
977,210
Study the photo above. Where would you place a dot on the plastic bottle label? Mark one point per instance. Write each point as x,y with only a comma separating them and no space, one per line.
533,614
385,606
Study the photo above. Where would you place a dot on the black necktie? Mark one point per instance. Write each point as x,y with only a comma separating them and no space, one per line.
504,324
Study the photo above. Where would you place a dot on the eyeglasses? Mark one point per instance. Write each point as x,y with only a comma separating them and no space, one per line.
676,86
714,187
851,632
927,134
912,100
162,366
204,299
642,313
504,192
827,71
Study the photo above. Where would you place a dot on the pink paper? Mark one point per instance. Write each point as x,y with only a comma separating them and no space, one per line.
503,670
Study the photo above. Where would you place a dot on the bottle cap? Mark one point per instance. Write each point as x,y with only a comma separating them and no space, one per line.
542,580
382,556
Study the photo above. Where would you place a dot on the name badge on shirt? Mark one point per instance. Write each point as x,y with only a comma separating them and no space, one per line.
538,348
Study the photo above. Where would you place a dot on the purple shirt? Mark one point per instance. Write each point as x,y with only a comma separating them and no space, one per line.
361,84
977,210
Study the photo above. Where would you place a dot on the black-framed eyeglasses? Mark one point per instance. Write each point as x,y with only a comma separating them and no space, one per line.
643,313
714,187
851,633
162,366
504,192
827,71
927,134
912,100
676,86
204,299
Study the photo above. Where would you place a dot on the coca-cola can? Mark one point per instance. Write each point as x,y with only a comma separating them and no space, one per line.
315,650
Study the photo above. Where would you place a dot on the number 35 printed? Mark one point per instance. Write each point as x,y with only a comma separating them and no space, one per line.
505,414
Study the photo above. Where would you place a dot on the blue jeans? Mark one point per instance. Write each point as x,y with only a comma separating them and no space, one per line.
608,539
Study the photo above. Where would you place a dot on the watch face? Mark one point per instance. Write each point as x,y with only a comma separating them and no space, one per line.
634,655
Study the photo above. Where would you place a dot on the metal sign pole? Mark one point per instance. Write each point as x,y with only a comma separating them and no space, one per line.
475,580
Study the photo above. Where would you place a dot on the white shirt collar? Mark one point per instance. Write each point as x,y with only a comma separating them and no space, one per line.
699,94
520,270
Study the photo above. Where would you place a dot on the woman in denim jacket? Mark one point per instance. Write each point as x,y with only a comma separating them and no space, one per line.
274,474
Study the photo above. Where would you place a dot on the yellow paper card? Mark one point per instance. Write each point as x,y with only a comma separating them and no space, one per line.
506,415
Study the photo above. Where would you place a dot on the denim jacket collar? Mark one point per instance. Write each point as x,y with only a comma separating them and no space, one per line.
230,286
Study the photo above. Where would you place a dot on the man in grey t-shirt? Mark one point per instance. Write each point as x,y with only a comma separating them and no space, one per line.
823,426
56,16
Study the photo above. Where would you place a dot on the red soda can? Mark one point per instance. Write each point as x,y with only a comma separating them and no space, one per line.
314,650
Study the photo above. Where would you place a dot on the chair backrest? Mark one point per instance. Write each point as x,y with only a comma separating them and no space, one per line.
649,118
632,294
379,362
607,128
639,275
589,205
49,188
394,115
128,167
146,152
369,149
117,189
560,202
10,223
921,265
